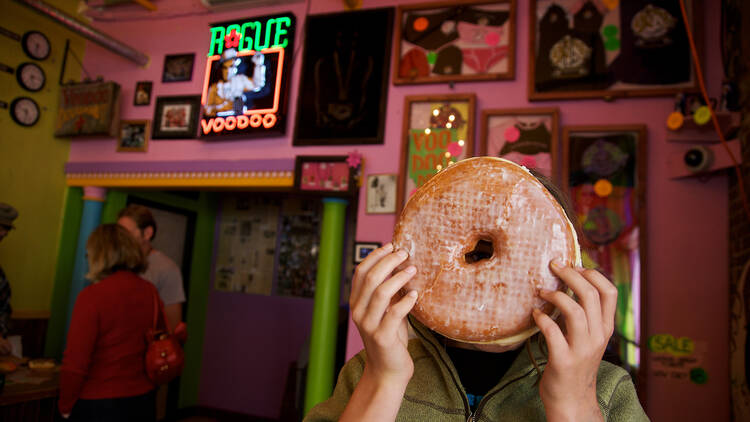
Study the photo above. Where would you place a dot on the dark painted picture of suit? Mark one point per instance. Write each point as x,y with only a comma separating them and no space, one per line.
344,81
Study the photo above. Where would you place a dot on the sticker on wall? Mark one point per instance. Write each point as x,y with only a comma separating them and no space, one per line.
677,358
247,76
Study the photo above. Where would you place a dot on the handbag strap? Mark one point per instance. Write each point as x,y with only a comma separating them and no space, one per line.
156,313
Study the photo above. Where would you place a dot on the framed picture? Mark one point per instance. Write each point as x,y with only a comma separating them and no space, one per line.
362,249
142,95
345,78
133,135
609,49
329,175
527,136
604,171
176,117
453,41
178,67
438,130
381,193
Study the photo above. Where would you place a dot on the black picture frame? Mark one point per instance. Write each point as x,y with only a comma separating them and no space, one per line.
343,98
178,67
324,175
183,122
362,249
142,93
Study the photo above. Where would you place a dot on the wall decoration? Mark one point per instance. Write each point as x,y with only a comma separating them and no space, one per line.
178,67
604,171
30,76
381,193
345,78
527,136
362,249
88,108
331,175
133,135
24,111
142,96
455,41
176,117
590,49
247,77
36,45
438,130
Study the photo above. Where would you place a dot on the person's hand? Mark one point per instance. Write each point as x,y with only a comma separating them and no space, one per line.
568,385
380,314
5,346
65,415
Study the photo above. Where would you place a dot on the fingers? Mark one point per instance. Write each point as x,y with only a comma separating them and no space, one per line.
382,297
364,267
575,317
607,297
378,271
398,311
586,292
552,334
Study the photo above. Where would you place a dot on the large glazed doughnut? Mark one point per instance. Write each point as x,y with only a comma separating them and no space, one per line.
484,201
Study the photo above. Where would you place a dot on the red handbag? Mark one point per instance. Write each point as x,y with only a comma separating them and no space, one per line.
164,356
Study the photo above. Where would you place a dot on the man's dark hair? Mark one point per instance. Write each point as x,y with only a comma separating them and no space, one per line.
141,215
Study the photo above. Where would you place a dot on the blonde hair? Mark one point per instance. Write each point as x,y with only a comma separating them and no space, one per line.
112,248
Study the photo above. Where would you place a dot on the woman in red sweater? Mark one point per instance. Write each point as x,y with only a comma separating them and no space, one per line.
103,376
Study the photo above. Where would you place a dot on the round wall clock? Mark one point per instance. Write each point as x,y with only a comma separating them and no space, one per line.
30,76
24,111
36,45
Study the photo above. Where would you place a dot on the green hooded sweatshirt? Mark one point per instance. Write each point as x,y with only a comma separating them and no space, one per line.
435,393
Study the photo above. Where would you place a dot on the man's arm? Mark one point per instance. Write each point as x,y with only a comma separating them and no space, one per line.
174,314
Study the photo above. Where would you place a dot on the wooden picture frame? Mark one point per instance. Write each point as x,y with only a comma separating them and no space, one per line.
133,135
344,77
381,193
437,130
526,136
142,94
330,175
622,49
176,117
604,172
178,67
479,44
362,249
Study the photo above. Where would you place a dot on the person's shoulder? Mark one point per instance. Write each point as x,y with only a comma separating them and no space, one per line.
610,377
159,257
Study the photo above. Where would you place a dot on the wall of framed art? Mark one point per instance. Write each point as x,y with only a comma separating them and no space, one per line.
682,275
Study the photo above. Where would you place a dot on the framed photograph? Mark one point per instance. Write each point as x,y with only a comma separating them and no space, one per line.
178,67
526,136
437,131
142,95
133,135
345,78
381,193
454,41
362,249
609,49
329,175
604,171
176,117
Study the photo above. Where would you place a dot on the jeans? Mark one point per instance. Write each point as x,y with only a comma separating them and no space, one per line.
119,409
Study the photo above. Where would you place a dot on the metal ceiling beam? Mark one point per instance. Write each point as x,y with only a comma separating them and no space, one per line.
88,32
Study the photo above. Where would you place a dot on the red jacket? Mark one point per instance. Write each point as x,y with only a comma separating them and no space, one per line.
106,345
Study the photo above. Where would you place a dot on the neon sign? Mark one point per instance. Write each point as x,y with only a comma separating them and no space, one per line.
245,85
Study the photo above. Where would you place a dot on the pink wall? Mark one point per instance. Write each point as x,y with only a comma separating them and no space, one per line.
687,255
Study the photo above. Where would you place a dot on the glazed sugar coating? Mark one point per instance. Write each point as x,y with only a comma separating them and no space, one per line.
501,203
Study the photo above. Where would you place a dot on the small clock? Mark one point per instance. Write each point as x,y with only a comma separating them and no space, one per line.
24,111
36,45
30,76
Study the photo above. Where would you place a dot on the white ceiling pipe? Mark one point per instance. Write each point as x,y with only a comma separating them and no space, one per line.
88,32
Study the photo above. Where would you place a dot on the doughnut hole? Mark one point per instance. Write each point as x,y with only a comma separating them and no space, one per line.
485,246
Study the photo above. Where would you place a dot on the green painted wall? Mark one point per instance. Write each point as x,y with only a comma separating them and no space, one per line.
31,159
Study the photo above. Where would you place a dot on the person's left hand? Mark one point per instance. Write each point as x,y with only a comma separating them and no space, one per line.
568,385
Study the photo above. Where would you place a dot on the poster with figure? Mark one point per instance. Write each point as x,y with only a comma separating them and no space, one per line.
344,78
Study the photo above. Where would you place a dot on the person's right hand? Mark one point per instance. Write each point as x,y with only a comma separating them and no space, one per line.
380,314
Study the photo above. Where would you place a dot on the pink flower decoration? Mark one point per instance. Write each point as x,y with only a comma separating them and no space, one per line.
492,38
455,149
512,134
354,159
529,162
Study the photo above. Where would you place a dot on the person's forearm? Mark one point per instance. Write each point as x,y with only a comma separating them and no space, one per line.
174,314
374,400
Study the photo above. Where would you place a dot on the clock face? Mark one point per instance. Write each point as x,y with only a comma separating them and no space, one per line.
36,45
24,111
31,77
